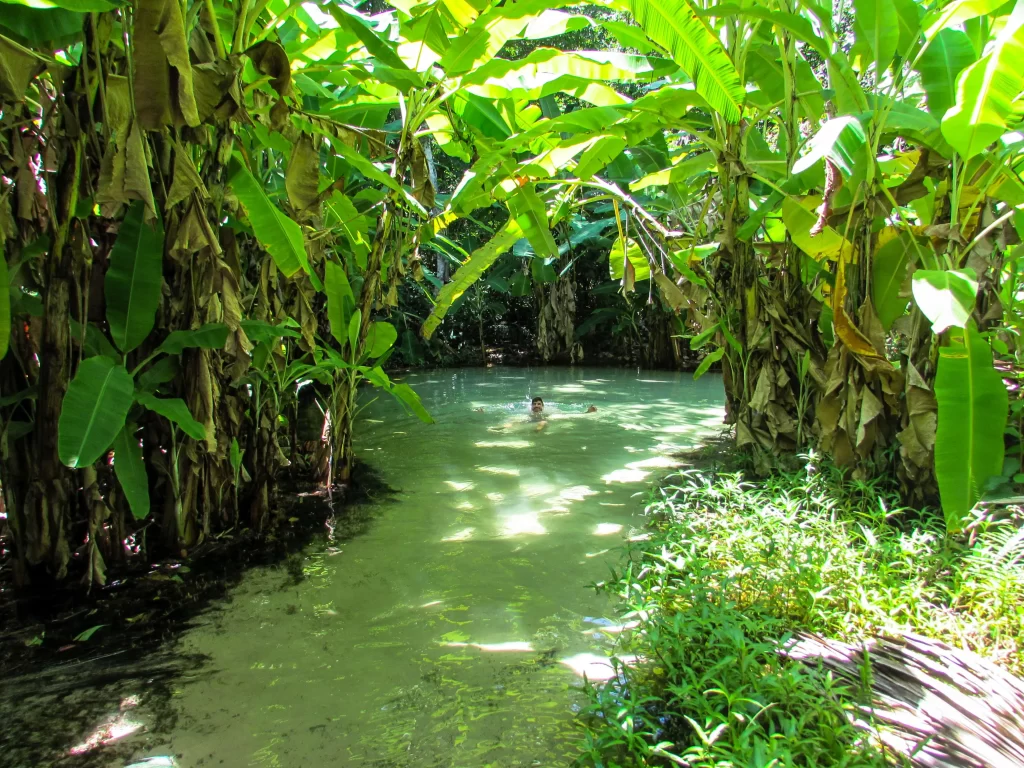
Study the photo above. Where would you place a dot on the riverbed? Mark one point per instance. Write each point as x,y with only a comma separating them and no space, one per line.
456,630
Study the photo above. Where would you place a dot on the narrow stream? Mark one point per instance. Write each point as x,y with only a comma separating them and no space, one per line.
455,631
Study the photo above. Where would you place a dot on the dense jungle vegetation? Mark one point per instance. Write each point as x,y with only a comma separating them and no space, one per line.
222,219
207,205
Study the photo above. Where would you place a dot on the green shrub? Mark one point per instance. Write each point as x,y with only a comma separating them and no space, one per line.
732,569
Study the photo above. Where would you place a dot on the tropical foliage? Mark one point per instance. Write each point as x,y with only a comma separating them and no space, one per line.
734,571
207,206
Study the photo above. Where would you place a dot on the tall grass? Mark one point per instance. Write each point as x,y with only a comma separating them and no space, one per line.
732,569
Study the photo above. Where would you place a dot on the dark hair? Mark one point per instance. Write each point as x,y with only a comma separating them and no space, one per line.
537,400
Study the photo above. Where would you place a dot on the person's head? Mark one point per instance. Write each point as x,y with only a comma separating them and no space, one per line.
537,405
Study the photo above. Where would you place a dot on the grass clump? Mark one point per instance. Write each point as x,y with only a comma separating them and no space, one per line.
732,570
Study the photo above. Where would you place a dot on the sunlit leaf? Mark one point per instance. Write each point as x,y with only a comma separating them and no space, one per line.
675,26
281,236
946,297
973,406
471,271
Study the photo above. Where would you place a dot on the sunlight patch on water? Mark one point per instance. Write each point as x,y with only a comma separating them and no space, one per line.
513,645
456,486
678,429
655,462
431,603
593,666
499,471
466,506
625,476
495,496
612,629
535,489
607,529
526,523
503,444
464,535
577,493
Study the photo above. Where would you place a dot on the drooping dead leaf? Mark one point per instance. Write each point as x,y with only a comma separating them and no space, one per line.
18,65
763,390
670,292
186,178
848,333
422,187
124,171
870,409
216,90
164,93
302,177
270,59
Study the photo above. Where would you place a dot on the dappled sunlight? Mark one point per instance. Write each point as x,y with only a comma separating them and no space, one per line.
594,667
503,444
464,535
431,604
499,471
530,490
636,427
495,496
679,429
457,486
113,730
466,506
513,646
612,629
522,524
598,554
577,493
655,462
607,529
625,476
555,510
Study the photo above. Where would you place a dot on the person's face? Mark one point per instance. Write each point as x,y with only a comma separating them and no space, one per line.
537,406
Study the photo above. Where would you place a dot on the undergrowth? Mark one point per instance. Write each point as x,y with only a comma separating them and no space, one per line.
732,569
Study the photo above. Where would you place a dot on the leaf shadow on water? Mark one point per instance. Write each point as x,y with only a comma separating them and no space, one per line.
109,700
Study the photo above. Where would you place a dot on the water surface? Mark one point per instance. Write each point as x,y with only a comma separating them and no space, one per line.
455,630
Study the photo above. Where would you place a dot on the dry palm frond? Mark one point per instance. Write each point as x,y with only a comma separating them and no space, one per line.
932,704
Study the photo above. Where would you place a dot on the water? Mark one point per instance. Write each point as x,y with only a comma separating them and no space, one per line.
455,631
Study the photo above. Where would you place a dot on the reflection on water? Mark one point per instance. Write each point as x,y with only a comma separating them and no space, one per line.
457,630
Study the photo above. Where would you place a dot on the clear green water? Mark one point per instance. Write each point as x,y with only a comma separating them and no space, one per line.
454,631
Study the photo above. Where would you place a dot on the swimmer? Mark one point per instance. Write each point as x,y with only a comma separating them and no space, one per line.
536,415
537,412
592,409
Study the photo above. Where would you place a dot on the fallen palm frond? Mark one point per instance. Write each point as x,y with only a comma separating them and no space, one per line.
932,704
